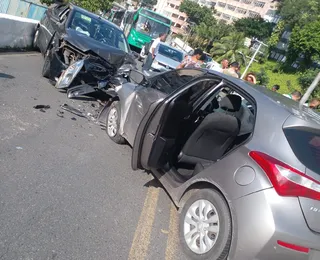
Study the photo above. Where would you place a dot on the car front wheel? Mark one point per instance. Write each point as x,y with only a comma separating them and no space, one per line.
205,226
113,123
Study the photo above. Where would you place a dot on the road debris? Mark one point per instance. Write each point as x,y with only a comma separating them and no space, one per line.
42,108
60,114
73,110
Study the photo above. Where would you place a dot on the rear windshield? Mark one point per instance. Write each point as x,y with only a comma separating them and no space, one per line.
170,53
305,143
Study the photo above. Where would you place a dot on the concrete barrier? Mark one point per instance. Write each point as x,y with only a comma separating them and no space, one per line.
16,32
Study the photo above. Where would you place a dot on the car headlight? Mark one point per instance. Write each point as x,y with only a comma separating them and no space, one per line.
69,74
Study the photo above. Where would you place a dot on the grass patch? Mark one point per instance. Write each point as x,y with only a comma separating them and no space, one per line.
287,81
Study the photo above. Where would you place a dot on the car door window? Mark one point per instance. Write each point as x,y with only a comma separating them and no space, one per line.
173,80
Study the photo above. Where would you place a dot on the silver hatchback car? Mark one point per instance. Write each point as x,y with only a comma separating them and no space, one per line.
241,162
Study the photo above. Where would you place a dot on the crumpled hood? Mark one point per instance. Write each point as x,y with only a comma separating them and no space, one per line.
112,55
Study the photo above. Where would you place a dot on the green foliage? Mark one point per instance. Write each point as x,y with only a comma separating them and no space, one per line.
90,5
276,34
281,78
205,35
301,12
197,14
150,3
305,79
262,77
230,47
305,40
254,27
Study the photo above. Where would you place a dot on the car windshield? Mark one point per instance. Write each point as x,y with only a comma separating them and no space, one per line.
150,27
170,52
98,30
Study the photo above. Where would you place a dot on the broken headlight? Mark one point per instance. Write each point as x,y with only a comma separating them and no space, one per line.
69,74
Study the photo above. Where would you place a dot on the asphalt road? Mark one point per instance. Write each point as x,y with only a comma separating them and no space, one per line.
66,190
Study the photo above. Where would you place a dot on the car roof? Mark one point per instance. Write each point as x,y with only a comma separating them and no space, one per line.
95,16
271,98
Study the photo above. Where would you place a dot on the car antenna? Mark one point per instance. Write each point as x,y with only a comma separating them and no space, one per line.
306,95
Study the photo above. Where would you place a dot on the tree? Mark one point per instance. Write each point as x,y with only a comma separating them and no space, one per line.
301,12
305,40
149,3
262,77
230,47
196,13
276,34
305,81
205,35
254,27
90,5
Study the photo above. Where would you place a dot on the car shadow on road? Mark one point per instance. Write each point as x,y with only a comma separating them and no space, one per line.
153,183
6,76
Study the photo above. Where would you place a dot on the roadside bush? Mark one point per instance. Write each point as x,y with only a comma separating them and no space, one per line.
287,81
305,79
262,77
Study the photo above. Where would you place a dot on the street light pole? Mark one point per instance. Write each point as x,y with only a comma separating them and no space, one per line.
252,58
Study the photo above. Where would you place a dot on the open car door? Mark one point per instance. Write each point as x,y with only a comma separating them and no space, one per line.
153,135
160,131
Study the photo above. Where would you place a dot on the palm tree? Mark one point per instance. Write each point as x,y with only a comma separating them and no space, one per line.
230,47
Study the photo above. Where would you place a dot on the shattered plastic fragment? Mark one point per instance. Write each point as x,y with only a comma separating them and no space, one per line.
41,107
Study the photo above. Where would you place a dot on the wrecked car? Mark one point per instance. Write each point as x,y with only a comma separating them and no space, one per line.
67,34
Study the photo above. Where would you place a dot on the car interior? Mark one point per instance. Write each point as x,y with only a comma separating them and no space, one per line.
201,126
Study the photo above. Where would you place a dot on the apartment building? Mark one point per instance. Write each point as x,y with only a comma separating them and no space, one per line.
231,10
170,8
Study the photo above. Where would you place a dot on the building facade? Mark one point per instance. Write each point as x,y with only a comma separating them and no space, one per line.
170,8
231,10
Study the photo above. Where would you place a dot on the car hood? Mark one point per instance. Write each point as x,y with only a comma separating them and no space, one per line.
167,61
112,55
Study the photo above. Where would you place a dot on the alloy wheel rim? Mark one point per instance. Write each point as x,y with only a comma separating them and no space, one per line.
201,226
112,122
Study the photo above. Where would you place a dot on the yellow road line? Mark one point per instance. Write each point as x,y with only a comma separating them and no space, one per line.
173,234
142,234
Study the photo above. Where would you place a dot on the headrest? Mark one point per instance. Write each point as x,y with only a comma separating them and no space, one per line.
231,103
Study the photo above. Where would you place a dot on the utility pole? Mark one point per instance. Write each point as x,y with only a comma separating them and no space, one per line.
252,58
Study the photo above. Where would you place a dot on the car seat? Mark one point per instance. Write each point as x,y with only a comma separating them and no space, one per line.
214,135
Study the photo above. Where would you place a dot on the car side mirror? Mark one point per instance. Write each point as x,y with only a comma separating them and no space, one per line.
137,77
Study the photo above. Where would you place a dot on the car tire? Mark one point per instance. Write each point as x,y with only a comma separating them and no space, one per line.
46,65
215,227
113,123
35,40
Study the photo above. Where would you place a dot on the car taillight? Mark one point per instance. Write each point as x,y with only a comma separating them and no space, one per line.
286,180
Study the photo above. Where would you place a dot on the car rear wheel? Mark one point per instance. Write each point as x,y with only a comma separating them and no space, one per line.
113,123
46,65
205,226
